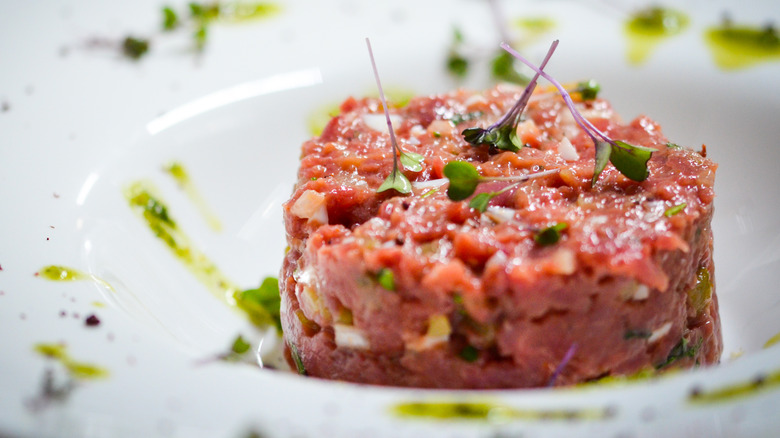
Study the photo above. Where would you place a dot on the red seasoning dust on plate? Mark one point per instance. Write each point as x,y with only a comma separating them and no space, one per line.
558,281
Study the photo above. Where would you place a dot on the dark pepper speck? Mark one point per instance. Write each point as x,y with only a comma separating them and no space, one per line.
92,321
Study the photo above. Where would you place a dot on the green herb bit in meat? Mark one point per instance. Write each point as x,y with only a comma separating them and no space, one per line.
682,350
701,294
636,334
671,211
630,160
469,353
550,235
385,279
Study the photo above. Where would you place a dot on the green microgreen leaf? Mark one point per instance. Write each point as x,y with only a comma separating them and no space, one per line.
504,68
386,279
396,181
464,179
480,202
550,235
412,161
170,18
603,151
671,145
240,345
631,160
671,211
589,90
262,303
457,64
135,48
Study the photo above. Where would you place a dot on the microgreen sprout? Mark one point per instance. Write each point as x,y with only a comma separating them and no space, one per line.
565,361
409,160
464,179
630,160
502,134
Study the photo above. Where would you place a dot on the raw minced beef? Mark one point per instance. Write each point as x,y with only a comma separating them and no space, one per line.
422,291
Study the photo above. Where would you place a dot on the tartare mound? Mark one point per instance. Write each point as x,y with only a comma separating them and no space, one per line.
423,291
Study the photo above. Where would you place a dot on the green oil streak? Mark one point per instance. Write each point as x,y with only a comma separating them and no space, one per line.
143,199
488,411
534,27
648,28
320,117
738,47
182,178
735,391
772,341
77,370
241,11
63,273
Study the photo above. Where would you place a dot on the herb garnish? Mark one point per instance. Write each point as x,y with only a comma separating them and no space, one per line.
409,160
135,48
457,64
630,160
464,179
503,133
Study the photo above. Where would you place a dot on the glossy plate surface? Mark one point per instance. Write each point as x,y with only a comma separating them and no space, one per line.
80,123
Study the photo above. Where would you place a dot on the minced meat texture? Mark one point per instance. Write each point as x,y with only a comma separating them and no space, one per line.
622,287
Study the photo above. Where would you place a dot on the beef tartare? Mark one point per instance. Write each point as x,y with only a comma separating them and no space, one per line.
557,280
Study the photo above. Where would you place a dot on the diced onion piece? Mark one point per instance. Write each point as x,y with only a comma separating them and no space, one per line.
439,330
441,127
566,150
641,293
475,99
527,132
564,262
348,336
659,333
499,214
311,205
432,183
417,130
378,122
312,305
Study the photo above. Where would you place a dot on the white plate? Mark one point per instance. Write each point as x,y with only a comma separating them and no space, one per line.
78,124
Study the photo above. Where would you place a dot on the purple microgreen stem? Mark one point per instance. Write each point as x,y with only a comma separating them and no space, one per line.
396,180
630,160
566,359
502,134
